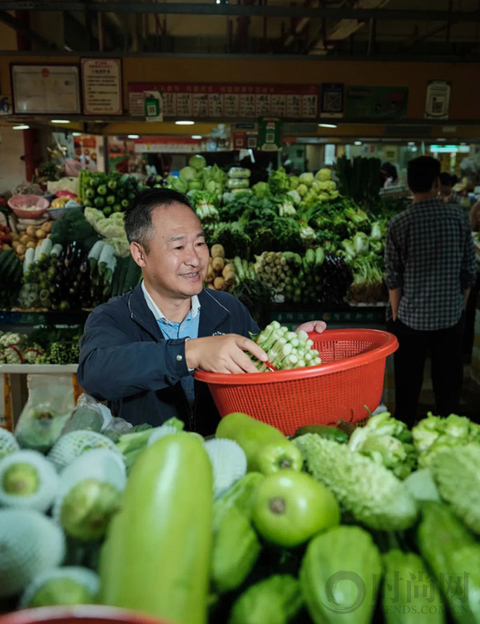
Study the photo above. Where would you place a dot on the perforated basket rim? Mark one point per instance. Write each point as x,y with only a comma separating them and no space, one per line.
80,613
387,344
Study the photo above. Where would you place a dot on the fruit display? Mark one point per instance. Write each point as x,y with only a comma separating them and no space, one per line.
43,346
30,237
247,527
109,193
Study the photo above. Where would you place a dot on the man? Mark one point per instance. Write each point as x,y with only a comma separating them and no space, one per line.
139,351
430,262
446,192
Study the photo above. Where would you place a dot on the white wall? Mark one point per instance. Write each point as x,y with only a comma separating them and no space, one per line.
12,169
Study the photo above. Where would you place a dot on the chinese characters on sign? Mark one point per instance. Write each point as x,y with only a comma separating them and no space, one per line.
438,99
229,100
102,86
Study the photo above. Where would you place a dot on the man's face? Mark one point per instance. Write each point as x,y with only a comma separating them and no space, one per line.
177,260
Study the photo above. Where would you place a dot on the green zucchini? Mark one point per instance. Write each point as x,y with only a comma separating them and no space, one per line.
157,555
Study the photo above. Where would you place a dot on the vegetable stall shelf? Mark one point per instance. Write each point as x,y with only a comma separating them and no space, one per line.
89,614
349,378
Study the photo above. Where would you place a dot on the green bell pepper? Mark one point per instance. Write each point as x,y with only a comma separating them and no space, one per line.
102,189
99,202
111,200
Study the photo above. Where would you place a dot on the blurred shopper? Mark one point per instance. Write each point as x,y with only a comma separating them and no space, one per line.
430,262
446,192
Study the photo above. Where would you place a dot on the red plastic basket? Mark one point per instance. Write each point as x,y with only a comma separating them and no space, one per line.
350,377
82,614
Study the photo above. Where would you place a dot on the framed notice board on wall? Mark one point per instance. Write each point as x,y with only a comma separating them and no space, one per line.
45,89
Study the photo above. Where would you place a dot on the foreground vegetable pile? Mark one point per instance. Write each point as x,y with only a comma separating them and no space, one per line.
246,528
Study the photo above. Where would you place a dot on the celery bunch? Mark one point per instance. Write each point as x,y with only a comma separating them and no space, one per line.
285,349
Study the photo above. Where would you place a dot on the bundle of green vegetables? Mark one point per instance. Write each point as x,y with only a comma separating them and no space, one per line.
285,349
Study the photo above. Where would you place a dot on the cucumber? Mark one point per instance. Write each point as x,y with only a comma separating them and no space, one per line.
162,566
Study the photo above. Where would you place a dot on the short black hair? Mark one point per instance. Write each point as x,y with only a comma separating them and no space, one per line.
138,217
422,173
389,170
446,179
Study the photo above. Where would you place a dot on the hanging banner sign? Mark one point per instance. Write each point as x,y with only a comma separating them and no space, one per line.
102,86
153,103
270,134
213,101
438,99
332,100
376,102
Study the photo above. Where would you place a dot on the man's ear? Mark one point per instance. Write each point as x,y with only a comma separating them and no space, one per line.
138,254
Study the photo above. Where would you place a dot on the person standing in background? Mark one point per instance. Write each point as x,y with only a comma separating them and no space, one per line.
430,263
446,192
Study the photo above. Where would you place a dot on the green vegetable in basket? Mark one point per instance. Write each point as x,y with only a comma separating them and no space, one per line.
285,349
325,431
266,448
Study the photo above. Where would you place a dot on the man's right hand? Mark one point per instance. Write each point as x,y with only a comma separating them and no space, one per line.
223,354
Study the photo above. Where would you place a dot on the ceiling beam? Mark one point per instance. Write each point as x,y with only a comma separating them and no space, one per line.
20,27
232,10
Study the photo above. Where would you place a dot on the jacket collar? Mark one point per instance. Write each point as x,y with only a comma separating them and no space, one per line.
212,314
141,313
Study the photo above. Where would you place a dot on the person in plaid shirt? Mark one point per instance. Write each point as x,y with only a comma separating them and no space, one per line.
430,263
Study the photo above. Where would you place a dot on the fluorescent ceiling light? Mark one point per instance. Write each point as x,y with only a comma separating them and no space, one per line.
60,121
327,125
21,127
357,143
76,134
411,143
184,123
197,136
133,136
441,140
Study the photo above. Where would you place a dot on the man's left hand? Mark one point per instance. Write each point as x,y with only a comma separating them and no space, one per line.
312,326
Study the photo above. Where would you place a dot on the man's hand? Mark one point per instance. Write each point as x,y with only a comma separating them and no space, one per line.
312,326
223,354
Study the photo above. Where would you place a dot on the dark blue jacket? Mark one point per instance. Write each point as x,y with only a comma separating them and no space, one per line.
126,360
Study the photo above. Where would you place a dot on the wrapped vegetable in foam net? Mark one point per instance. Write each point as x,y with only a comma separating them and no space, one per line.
30,543
8,443
27,480
89,494
72,445
70,585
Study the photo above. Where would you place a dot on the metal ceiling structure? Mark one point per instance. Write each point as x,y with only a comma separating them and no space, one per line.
358,29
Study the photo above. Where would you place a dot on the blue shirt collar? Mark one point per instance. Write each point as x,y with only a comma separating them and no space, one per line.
158,314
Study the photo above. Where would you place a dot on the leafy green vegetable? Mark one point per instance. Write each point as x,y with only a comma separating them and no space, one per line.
387,441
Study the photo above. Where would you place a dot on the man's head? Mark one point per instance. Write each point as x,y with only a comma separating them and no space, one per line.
446,184
167,241
422,175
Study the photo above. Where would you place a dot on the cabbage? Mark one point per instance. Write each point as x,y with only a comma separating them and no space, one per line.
307,179
188,173
331,185
302,190
239,172
295,196
261,189
360,242
197,162
376,233
323,175
294,182
195,185
180,185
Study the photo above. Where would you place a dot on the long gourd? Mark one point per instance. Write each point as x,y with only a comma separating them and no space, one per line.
157,555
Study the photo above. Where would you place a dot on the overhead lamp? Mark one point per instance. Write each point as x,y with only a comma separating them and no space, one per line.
133,136
327,125
60,121
441,140
21,127
197,137
357,143
411,143
184,123
76,134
